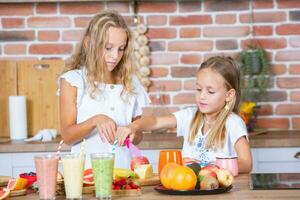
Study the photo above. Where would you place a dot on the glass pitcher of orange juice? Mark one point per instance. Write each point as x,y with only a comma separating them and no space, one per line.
169,156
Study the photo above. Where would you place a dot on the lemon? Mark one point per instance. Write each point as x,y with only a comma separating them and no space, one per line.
144,171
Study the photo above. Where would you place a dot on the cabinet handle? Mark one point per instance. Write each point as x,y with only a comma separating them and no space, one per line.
297,155
41,66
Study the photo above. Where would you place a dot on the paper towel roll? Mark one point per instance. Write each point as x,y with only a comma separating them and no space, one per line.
17,117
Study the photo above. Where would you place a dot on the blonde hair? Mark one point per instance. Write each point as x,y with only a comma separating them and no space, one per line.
229,70
90,52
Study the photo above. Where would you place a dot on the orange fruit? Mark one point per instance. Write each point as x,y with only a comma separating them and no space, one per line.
17,184
184,178
88,178
167,174
4,193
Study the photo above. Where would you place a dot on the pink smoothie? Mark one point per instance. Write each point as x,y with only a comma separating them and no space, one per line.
46,171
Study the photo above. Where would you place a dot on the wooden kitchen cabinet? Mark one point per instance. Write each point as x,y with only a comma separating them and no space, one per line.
37,80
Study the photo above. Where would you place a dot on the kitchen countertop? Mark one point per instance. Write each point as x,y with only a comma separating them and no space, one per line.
262,139
240,190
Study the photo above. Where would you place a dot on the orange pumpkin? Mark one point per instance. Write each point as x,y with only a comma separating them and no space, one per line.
166,174
176,177
184,178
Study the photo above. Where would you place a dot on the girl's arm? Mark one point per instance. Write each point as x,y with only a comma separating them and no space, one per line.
244,155
149,123
72,132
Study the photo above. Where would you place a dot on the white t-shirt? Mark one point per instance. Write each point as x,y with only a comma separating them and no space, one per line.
235,128
110,103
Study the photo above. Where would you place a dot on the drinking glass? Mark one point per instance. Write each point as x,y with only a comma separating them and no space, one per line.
229,163
168,156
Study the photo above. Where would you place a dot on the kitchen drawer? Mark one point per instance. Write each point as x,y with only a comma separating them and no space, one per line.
276,154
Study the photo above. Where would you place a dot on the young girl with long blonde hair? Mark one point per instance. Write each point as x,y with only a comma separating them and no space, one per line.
213,128
98,90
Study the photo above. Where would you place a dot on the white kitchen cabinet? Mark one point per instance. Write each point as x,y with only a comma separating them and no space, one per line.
275,160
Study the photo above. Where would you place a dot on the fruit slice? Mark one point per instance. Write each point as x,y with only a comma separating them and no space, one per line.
88,178
4,193
144,171
17,184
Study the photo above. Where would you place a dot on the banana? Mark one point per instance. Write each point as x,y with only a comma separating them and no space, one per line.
123,173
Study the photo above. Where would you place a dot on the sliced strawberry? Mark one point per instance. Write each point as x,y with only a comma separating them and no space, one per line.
133,185
127,187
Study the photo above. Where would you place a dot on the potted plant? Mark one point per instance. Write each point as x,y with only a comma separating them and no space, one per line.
255,77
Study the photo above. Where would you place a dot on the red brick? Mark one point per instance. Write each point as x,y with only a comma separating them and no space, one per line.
189,6
82,21
288,29
288,109
191,59
296,123
278,69
190,32
79,8
13,23
282,123
49,22
278,43
72,35
157,7
50,49
288,83
225,5
190,20
188,72
46,8
195,45
264,17
226,44
14,58
157,45
15,49
17,35
184,98
295,96
162,100
166,86
294,69
164,59
263,4
156,20
294,41
273,96
161,33
121,7
189,84
288,3
290,55
226,19
263,30
237,31
48,35
13,9
234,55
157,72
266,109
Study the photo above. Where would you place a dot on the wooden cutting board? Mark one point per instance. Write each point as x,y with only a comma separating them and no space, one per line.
149,181
132,192
8,87
4,180
18,193
37,80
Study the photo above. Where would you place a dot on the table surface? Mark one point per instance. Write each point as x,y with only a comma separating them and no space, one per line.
240,190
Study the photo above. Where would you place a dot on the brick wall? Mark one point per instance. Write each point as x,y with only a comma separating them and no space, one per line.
182,35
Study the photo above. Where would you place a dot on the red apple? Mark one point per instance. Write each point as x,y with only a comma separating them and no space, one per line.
225,177
209,170
209,183
212,167
140,160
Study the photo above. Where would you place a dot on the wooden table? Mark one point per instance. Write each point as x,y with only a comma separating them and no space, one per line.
239,191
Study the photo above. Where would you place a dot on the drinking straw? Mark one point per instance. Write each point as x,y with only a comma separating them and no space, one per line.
114,146
82,147
59,148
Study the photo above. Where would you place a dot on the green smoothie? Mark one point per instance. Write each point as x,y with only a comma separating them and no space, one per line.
103,165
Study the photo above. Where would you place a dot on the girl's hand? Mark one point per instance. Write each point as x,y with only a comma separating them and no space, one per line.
106,127
122,133
187,160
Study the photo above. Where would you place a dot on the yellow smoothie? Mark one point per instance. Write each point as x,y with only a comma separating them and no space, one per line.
73,168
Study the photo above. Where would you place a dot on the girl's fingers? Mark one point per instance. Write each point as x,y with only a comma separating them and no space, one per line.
99,128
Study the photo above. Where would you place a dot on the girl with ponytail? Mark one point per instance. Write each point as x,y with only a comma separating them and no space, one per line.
213,128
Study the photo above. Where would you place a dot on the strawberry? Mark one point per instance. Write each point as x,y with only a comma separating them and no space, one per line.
127,187
118,187
113,186
120,182
134,185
